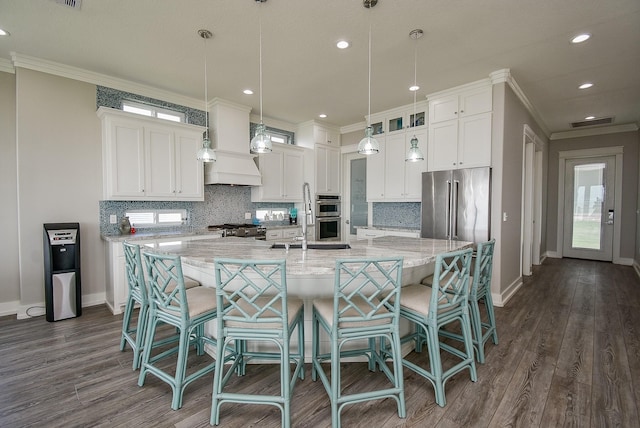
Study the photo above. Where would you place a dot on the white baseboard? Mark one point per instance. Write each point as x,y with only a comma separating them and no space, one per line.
624,261
38,309
553,255
8,308
636,267
501,299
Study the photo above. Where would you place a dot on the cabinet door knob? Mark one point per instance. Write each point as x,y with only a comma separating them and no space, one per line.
461,111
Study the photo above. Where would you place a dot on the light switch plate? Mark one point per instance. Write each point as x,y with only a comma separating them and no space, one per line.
247,216
113,219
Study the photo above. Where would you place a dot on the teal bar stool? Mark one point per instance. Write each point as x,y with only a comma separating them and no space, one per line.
480,291
365,307
186,310
133,334
253,307
431,308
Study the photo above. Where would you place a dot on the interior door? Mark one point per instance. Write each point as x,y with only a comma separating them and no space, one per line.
589,208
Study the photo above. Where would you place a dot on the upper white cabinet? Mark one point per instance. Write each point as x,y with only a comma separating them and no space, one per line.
460,128
327,167
403,180
150,159
390,178
325,141
282,173
400,119
311,132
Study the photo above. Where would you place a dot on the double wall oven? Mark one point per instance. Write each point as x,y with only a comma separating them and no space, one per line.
328,218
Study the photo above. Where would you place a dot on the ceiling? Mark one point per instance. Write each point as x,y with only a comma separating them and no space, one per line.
154,43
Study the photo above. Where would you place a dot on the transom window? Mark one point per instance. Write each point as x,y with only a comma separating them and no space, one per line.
154,218
153,111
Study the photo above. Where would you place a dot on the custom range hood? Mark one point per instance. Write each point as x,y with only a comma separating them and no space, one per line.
230,131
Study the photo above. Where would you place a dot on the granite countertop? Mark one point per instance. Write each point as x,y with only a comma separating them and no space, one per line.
139,236
398,228
416,252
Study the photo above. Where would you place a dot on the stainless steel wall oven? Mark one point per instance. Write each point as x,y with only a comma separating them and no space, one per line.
328,218
328,206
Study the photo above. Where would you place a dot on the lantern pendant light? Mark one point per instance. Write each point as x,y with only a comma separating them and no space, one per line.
261,142
415,154
369,145
206,153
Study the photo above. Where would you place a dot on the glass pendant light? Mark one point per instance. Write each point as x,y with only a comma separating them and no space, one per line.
415,154
206,153
369,145
261,142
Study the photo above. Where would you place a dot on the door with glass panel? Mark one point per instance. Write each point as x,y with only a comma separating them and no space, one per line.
589,208
354,201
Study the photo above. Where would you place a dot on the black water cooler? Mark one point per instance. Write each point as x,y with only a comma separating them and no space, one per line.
63,297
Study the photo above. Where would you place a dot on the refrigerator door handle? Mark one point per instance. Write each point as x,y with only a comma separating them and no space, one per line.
454,215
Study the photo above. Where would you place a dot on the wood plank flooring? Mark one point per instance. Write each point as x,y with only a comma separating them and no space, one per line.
569,355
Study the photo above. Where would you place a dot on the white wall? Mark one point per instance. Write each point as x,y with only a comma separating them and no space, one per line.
9,273
59,170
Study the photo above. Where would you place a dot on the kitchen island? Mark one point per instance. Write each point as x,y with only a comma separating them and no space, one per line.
310,274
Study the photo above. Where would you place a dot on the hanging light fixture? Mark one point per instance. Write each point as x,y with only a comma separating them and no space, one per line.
261,142
369,145
415,154
206,153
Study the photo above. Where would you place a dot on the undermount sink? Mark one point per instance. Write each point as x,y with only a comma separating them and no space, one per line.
314,246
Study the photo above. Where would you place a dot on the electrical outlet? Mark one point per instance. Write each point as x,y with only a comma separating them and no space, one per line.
504,216
113,219
247,216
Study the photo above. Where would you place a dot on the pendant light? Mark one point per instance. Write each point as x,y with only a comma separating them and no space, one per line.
206,153
369,145
261,142
415,154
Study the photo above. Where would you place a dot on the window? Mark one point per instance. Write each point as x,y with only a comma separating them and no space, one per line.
155,218
153,111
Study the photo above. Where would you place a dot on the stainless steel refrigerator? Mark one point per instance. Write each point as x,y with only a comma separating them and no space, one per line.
456,204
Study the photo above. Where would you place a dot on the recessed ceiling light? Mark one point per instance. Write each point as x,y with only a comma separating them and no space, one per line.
414,88
247,92
580,38
586,85
322,115
342,44
589,118
4,32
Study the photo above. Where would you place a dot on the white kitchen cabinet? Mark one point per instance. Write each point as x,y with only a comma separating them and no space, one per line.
311,133
460,143
366,233
464,103
282,174
460,128
284,234
150,159
376,173
117,288
389,177
403,180
327,167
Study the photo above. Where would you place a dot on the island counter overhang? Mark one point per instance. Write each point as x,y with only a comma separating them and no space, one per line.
310,273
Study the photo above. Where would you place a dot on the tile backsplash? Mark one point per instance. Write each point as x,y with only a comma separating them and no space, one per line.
222,204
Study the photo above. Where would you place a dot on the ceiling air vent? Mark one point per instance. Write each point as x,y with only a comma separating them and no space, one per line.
593,122
73,4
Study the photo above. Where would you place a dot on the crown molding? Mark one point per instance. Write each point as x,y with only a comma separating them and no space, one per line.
603,130
504,76
57,69
7,66
360,126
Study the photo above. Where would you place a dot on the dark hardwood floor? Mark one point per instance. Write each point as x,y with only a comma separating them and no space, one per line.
569,355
